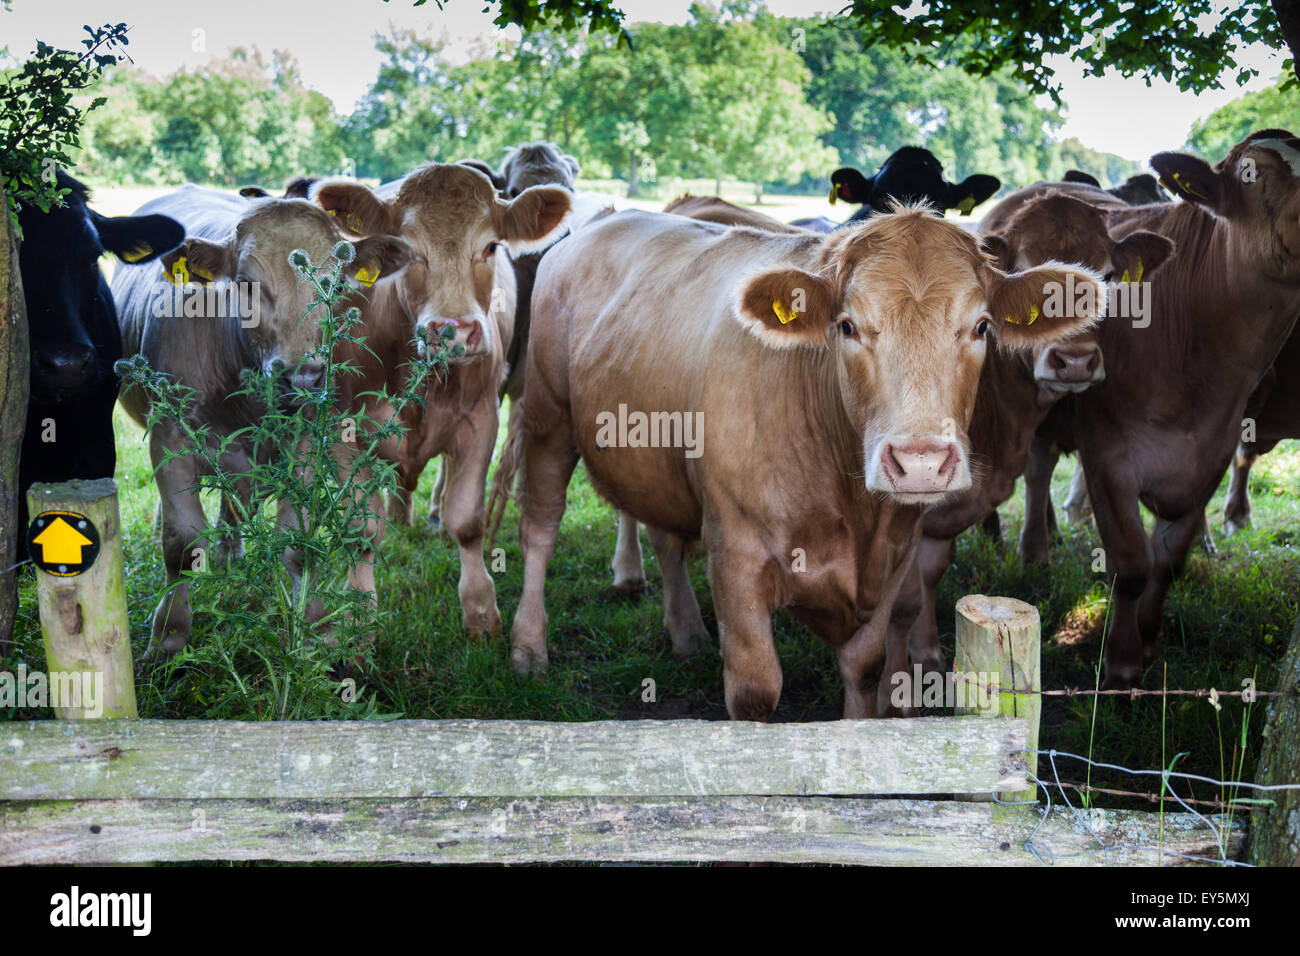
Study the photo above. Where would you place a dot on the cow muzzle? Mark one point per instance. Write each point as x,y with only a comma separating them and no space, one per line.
917,469
469,333
67,368
1070,368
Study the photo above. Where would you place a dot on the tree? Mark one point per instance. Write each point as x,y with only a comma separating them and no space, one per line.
1214,136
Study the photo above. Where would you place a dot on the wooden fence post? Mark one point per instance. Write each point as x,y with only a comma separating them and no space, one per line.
998,644
13,416
1275,832
83,617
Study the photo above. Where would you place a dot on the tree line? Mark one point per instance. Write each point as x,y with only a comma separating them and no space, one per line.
735,93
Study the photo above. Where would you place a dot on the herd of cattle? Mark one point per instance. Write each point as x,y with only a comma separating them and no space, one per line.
855,418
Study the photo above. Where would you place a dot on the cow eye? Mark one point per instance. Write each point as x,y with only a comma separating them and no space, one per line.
981,328
1108,278
490,250
849,330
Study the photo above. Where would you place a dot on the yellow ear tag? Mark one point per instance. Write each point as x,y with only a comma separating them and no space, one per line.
835,194
1181,180
1033,315
367,275
1138,276
180,274
137,253
354,223
966,205
785,315
203,274
1012,320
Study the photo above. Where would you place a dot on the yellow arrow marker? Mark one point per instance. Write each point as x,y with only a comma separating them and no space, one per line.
61,543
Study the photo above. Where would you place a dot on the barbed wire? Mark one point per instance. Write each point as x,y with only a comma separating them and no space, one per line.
1047,857
1135,692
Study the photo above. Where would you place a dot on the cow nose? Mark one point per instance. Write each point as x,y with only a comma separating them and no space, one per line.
69,366
1074,364
919,465
309,375
469,334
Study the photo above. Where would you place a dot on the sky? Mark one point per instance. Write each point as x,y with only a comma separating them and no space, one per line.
333,43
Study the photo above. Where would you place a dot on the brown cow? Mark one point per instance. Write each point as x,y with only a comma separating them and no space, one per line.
1163,427
1016,390
1272,414
460,233
806,397
713,209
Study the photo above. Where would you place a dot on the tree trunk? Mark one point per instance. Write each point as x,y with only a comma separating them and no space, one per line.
717,186
633,176
13,416
1288,17
758,193
1275,831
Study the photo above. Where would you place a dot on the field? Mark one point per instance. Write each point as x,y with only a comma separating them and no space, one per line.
1226,620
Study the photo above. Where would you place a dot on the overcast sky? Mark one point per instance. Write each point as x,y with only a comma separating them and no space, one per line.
333,42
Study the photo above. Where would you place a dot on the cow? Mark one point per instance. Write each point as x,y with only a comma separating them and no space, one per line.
713,209
537,164
259,315
1163,427
910,175
73,329
1016,390
463,236
297,188
820,388
1140,190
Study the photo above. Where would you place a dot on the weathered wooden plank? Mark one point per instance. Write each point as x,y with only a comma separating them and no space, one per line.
187,759
478,830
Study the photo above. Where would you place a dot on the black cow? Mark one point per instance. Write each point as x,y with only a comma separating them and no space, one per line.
1139,190
910,175
74,334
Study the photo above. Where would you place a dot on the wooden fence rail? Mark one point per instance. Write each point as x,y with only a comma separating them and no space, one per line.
470,791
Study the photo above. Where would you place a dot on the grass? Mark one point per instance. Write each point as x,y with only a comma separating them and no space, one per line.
1227,619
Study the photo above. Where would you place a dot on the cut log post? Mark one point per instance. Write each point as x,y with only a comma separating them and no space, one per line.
998,647
83,618
13,418
1275,831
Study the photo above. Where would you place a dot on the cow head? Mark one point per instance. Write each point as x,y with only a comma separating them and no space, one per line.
284,324
900,310
1055,227
537,164
1256,187
73,325
911,175
461,235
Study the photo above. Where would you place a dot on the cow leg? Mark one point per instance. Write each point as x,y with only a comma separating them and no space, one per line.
1035,534
400,506
1236,508
751,672
1170,542
933,558
439,490
549,460
1127,552
628,564
992,526
183,528
871,690
682,617
230,543
462,513
1078,508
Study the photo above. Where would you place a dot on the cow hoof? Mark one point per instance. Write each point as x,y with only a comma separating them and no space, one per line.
632,586
527,662
433,520
1078,516
481,625
1236,525
690,643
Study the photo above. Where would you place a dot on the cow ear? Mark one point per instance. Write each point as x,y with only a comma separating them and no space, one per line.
356,209
1078,176
138,238
199,260
851,186
1189,178
1140,254
971,191
377,257
529,222
498,182
254,192
574,167
787,307
1047,302
999,250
